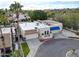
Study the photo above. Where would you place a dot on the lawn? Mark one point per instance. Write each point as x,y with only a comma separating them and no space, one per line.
25,49
15,53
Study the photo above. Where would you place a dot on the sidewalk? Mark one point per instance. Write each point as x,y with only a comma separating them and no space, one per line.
65,34
69,33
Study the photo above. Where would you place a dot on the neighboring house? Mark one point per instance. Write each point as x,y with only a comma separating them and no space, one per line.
39,29
6,32
21,17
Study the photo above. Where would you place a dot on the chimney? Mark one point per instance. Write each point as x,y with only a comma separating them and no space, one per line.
35,27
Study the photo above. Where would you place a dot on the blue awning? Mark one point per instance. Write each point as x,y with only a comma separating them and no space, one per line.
55,28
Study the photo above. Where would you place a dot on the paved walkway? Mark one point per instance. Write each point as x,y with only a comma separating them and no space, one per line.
33,46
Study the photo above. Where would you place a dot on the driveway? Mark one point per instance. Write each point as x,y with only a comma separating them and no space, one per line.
33,46
56,48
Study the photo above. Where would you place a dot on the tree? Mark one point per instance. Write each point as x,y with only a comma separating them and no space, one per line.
15,7
75,18
71,20
3,42
2,11
51,14
3,17
38,15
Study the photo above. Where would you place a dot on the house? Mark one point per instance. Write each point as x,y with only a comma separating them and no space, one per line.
7,42
40,29
21,17
32,30
27,30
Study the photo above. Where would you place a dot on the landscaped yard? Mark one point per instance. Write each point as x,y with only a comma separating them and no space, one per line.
25,49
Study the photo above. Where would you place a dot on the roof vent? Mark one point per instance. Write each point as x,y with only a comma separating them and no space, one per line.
35,27
37,24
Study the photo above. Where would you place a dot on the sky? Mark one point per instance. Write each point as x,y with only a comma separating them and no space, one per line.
42,4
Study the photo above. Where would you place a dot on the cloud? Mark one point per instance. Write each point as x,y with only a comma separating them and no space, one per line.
52,5
42,4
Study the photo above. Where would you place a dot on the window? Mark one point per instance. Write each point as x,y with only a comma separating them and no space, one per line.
42,34
24,16
47,32
35,27
50,31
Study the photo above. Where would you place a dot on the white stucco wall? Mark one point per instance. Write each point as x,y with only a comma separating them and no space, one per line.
43,31
31,36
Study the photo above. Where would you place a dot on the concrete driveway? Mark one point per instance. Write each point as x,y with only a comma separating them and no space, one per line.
56,48
33,46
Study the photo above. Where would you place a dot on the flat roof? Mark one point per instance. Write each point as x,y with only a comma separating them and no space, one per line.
51,22
38,24
32,25
7,30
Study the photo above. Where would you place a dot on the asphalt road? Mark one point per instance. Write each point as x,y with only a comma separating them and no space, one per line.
56,48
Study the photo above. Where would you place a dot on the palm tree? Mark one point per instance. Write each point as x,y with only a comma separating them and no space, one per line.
3,42
3,18
15,7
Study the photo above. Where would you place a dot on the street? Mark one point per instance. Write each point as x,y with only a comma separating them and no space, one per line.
56,48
